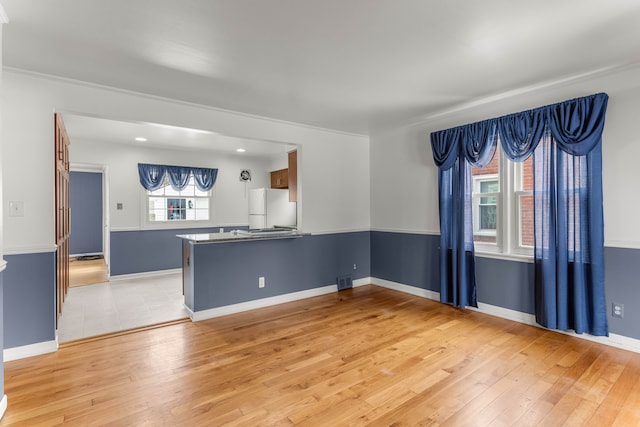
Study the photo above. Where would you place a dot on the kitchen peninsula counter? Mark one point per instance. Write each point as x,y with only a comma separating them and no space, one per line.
239,236
223,270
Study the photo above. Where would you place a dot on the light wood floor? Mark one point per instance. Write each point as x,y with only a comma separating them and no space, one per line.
87,272
363,356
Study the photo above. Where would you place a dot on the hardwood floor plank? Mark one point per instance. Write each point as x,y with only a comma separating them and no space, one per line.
367,356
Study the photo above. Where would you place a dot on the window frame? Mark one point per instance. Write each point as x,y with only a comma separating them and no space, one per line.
477,196
146,223
508,221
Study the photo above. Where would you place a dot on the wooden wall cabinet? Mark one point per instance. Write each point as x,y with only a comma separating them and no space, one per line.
280,178
293,176
288,178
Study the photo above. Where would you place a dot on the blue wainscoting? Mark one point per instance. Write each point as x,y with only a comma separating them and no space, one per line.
227,273
622,285
141,251
506,284
85,198
409,259
413,259
29,299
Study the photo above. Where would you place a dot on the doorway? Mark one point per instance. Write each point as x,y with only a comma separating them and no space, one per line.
89,225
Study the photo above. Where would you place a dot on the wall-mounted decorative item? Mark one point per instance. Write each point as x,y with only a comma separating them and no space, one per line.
245,175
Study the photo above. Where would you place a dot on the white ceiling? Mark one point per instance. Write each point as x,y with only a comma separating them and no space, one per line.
347,65
106,131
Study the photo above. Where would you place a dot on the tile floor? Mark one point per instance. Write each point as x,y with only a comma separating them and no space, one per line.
120,305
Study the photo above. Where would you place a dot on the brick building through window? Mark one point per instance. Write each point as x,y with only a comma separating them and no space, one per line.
499,194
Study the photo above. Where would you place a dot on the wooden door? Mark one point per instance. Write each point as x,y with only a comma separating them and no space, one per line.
62,210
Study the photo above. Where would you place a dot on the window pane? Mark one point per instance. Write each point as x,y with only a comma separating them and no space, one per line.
526,175
169,191
189,189
176,209
202,203
489,186
525,204
487,217
199,193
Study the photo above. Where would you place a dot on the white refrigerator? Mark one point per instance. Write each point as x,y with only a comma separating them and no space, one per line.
269,208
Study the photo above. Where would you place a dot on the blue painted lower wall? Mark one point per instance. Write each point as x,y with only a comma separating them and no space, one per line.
85,198
141,251
227,273
27,286
412,259
29,299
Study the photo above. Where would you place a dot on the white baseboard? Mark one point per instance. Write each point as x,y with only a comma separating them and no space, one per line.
407,289
36,349
144,274
260,303
189,312
613,340
362,282
3,406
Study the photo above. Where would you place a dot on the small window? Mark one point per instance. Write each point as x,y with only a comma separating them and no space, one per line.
168,205
502,194
486,189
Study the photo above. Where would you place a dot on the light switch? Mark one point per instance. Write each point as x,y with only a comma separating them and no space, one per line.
119,206
16,209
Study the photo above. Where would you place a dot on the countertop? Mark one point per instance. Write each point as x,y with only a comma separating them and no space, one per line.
240,235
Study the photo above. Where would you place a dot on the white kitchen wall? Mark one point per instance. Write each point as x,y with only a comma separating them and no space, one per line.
278,161
230,202
404,179
334,166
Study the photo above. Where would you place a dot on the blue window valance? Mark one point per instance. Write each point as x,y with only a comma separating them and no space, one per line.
152,176
576,125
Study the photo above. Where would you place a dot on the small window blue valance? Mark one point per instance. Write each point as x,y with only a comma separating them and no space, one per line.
152,176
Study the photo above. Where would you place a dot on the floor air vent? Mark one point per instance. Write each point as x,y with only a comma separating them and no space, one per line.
345,282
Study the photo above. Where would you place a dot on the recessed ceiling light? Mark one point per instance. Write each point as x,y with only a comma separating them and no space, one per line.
241,150
141,139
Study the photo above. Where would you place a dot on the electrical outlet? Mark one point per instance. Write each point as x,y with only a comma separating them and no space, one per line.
354,266
261,282
617,310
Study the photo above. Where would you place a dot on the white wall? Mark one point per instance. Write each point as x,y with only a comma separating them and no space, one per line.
278,161
334,166
404,179
2,22
229,194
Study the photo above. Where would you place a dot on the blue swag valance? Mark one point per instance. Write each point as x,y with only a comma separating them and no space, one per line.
566,142
576,125
152,176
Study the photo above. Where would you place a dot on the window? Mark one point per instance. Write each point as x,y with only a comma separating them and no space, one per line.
503,206
485,223
168,205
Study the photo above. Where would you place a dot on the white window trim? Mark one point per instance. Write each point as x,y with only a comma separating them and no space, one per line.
169,225
508,221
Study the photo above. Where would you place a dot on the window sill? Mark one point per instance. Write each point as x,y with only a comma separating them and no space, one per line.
176,225
504,256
